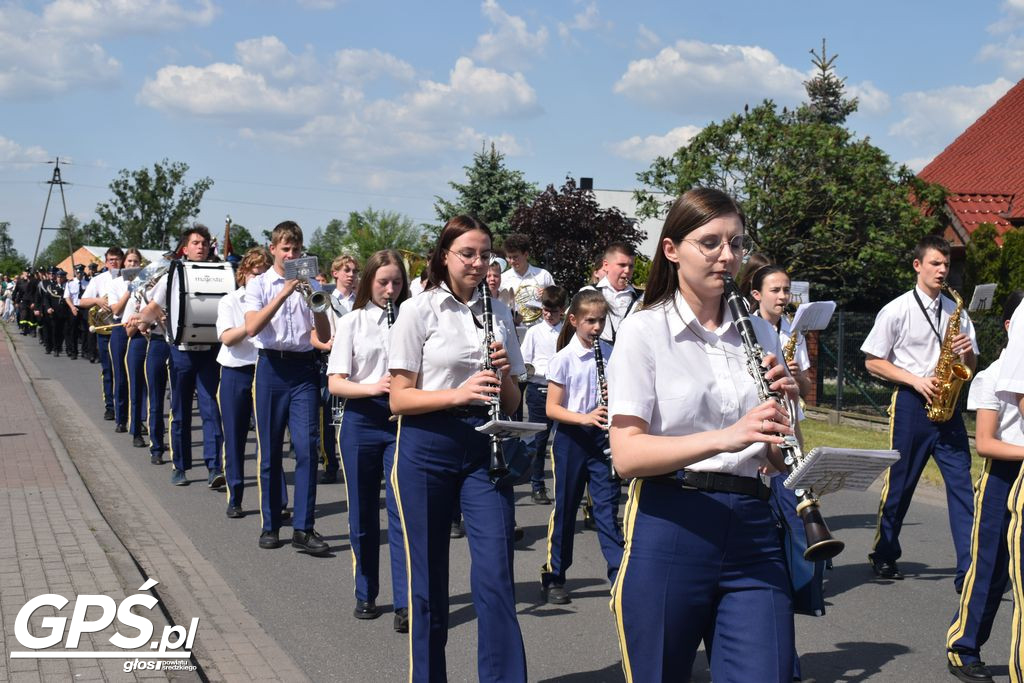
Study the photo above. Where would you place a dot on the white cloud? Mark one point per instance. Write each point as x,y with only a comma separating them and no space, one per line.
318,4
697,78
510,44
11,153
870,100
361,66
270,57
934,117
1010,52
917,163
587,20
648,147
472,90
646,38
115,17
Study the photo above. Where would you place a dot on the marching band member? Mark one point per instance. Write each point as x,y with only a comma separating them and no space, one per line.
1000,441
522,283
118,295
616,286
158,358
286,390
575,403
770,290
237,358
358,372
442,394
539,346
135,369
904,347
72,296
703,559
96,295
193,373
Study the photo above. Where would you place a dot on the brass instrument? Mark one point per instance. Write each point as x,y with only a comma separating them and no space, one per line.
950,372
820,543
527,293
101,320
789,350
317,299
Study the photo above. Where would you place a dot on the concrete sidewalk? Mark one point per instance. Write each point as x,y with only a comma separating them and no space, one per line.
54,539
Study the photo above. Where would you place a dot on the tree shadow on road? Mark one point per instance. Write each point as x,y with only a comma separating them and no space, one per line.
850,662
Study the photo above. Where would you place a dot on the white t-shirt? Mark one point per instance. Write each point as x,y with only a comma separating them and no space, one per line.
231,314
539,347
361,345
683,379
903,335
437,337
983,395
1011,374
575,369
511,281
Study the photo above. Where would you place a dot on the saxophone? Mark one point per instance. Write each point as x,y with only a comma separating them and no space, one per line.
950,372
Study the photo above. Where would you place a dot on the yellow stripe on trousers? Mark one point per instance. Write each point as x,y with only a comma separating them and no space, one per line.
405,538
546,567
1013,542
885,482
629,520
259,444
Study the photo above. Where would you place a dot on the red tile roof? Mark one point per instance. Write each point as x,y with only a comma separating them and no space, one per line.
983,169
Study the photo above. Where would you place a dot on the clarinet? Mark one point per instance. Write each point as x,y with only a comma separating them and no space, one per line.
498,467
820,543
389,309
602,397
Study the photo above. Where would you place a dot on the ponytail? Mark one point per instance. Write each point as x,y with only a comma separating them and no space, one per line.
583,299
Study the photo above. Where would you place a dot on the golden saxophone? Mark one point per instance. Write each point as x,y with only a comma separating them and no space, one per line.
950,372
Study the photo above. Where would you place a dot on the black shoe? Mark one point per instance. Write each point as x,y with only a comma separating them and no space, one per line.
285,515
328,478
108,414
73,357
178,477
120,429
310,542
215,480
365,609
235,512
556,595
886,569
975,672
540,497
145,430
402,620
517,534
458,531
156,460
269,540
56,354
139,442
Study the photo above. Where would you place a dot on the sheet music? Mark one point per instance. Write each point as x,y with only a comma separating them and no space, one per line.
813,316
800,291
982,298
508,429
826,470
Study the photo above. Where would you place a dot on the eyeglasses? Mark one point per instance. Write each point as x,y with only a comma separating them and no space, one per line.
468,258
711,245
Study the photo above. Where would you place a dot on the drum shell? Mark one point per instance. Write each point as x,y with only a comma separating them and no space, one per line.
194,289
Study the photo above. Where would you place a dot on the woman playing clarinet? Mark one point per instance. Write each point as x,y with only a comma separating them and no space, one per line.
703,559
442,392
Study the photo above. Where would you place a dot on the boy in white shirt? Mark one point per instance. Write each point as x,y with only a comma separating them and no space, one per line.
522,283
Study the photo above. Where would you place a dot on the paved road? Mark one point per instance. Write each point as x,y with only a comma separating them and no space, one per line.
878,631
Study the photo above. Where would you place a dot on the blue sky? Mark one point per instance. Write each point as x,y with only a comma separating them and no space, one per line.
309,109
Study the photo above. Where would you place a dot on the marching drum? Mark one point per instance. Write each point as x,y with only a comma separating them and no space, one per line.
194,289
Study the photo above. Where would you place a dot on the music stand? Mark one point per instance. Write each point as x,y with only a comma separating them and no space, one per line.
982,298
812,316
825,470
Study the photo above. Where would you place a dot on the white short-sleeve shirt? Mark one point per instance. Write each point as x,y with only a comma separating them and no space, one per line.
575,369
438,337
72,291
903,335
620,304
539,347
1011,374
98,286
983,395
231,314
360,348
683,379
115,290
290,328
803,360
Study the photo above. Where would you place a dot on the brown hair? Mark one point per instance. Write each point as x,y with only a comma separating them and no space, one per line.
384,257
132,250
456,227
583,299
254,258
286,230
196,229
690,211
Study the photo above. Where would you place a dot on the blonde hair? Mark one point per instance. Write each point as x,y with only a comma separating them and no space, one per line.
339,262
286,230
254,258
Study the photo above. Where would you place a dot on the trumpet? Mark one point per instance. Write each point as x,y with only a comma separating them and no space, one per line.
317,299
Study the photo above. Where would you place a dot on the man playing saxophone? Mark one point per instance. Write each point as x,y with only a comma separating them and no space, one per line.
913,335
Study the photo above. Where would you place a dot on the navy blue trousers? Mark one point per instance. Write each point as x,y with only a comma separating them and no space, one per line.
234,397
287,395
702,566
917,438
328,436
578,459
536,405
367,445
118,349
195,373
106,376
157,371
441,459
1015,543
990,560
135,374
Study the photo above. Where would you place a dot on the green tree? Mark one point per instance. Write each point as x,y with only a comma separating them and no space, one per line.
241,240
491,192
567,229
151,207
11,261
1013,259
827,102
833,208
370,231
57,250
984,261
326,243
96,234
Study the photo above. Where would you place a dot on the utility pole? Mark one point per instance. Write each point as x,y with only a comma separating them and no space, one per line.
55,180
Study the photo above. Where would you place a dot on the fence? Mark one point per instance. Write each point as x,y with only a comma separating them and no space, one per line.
839,379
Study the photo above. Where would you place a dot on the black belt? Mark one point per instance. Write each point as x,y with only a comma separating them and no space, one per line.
469,411
718,481
290,355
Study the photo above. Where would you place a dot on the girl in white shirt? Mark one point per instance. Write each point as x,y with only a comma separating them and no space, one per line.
118,296
442,394
770,290
135,372
703,559
575,403
358,372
